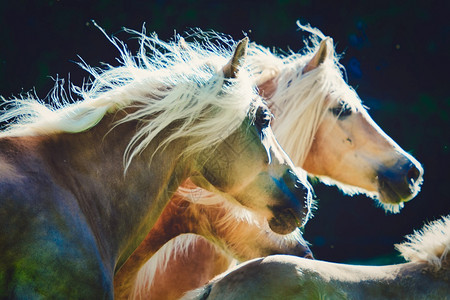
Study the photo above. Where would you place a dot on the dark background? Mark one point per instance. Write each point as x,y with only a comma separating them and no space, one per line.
396,56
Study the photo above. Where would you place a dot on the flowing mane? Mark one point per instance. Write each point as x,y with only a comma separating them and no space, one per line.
431,244
163,83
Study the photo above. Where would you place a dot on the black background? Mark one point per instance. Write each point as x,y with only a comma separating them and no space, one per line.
396,56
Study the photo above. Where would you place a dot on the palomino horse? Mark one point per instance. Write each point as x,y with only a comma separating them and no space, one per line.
323,126
425,276
82,184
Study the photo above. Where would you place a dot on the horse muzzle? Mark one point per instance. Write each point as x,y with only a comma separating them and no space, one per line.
400,183
284,221
299,249
296,198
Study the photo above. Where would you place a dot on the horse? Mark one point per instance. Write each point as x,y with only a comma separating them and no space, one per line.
321,123
425,275
222,233
83,183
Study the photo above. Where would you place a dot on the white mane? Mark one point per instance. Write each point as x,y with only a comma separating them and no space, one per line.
301,100
431,244
168,84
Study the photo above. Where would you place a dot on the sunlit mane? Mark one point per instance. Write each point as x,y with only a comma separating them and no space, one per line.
301,100
163,83
431,244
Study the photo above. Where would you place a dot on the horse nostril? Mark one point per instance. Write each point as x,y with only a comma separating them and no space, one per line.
413,174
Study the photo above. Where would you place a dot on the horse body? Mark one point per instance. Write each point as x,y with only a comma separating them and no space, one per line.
321,123
288,277
61,211
86,182
426,276
42,225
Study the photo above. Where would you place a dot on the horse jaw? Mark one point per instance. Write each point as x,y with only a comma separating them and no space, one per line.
351,190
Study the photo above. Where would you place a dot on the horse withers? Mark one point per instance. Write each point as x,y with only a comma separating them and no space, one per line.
82,184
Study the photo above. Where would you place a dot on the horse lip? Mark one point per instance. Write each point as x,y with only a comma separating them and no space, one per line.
394,192
295,213
387,194
309,256
400,182
303,251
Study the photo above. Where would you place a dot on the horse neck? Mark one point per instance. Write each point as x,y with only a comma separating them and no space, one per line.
179,217
241,236
176,219
238,233
90,165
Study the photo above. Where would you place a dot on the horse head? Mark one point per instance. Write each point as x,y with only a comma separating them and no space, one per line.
357,151
335,138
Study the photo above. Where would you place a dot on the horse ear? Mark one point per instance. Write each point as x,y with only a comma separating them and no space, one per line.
324,53
232,67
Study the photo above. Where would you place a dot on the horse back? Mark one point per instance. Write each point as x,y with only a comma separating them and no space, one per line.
46,246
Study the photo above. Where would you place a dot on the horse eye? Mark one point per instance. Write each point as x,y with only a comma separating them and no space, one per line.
341,111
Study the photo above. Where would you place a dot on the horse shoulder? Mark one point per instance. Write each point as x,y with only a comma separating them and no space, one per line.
46,246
